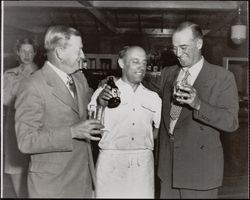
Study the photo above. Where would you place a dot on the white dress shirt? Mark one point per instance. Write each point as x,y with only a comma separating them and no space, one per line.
62,75
194,72
130,125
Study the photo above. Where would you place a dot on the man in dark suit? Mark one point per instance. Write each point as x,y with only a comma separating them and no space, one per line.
51,125
190,159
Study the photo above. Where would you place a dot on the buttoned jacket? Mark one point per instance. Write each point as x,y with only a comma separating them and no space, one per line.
198,155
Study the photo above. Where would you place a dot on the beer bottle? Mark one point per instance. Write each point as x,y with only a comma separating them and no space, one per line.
115,100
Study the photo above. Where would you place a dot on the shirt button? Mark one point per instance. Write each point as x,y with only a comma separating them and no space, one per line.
132,138
133,124
133,109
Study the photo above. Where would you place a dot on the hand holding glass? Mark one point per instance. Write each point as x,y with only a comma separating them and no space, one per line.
178,90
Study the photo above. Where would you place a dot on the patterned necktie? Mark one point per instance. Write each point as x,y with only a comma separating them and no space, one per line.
176,109
71,84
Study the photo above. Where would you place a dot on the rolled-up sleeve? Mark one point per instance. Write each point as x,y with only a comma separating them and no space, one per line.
157,116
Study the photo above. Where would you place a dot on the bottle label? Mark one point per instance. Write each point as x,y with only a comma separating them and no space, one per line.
115,92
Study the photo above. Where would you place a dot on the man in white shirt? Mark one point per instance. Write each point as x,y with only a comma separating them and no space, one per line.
125,165
51,121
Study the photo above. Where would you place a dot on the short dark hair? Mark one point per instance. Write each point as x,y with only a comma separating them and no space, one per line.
125,49
58,36
26,40
196,29
123,52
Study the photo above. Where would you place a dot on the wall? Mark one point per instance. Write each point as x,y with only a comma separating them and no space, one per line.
214,49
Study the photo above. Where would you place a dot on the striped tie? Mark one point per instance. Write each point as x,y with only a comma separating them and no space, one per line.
176,109
71,84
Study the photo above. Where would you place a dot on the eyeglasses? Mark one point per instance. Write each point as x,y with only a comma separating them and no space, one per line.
183,48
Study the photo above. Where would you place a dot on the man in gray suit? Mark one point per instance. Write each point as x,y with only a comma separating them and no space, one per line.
51,121
190,161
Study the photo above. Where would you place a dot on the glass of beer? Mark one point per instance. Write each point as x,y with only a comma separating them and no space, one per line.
95,112
177,85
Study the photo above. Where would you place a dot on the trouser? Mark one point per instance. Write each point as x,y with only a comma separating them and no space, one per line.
168,192
125,174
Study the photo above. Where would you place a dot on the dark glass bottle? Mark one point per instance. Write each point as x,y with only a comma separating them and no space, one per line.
115,100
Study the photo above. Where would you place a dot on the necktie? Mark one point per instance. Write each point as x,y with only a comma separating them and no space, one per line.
71,84
176,109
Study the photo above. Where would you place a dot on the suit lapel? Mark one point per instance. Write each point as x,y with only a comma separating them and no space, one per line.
58,88
203,79
168,91
82,98
82,93
79,93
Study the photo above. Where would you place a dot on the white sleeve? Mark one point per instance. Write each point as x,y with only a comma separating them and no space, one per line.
157,115
94,98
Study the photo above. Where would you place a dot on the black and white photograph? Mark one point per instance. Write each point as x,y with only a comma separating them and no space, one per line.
124,99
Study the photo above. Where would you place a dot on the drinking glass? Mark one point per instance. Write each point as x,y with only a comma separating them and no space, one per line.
96,112
177,85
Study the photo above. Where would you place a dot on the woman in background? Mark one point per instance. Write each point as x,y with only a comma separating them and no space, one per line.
16,163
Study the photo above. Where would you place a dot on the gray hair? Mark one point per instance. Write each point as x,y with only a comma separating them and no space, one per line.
196,29
58,36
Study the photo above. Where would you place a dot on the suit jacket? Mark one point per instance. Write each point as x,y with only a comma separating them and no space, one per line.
198,154
60,166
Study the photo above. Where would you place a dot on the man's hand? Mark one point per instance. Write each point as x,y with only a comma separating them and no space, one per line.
104,96
87,129
187,94
104,81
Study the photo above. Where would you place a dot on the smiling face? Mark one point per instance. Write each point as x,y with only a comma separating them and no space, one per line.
186,47
133,65
71,54
26,53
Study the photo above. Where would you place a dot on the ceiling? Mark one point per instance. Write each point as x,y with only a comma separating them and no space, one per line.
152,18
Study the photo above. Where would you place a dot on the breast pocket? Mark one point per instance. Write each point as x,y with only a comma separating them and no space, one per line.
148,106
148,110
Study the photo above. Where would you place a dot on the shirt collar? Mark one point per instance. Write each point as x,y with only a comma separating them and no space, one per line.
59,72
122,83
195,69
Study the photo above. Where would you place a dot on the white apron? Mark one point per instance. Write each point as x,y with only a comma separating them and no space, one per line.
125,174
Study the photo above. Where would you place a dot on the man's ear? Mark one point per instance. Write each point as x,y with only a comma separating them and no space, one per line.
59,52
199,43
121,63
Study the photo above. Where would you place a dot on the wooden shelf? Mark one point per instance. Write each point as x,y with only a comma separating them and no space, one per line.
102,61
